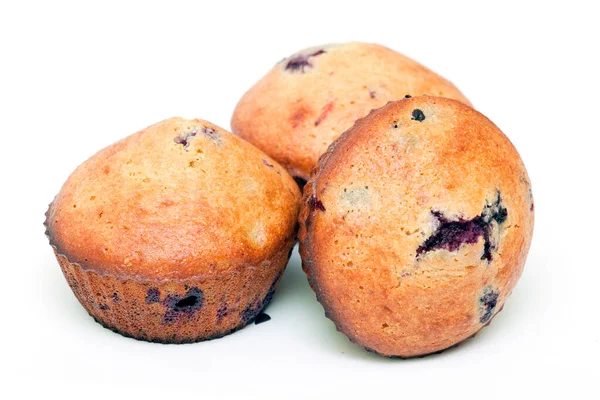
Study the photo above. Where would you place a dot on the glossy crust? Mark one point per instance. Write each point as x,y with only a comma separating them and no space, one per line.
175,234
307,100
415,226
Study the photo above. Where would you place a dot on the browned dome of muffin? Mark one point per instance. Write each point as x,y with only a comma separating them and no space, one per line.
415,226
176,233
306,101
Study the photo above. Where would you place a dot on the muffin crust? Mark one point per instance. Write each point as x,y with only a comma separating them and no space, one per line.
307,100
177,233
415,226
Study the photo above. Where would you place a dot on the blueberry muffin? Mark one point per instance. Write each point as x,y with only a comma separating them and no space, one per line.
306,101
415,226
177,233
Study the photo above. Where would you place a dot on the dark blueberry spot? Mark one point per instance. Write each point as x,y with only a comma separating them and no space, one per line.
487,245
372,94
222,311
184,139
152,296
115,297
300,62
501,215
267,163
315,204
104,307
192,300
487,302
300,181
178,306
408,96
208,131
262,317
186,303
451,235
417,115
495,211
395,125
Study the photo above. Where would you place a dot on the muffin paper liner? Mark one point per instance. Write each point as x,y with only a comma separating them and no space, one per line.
186,310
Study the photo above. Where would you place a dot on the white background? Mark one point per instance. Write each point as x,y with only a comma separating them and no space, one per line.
76,77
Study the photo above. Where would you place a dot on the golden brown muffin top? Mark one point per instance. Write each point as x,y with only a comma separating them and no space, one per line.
307,100
178,199
416,226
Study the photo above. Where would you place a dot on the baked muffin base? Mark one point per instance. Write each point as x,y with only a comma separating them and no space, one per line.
176,310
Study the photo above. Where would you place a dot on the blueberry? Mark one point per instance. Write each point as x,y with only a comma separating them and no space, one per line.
315,204
152,296
184,138
178,306
451,235
487,304
301,61
192,301
417,115
208,131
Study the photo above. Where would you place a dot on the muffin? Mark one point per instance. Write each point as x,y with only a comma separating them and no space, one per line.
415,226
306,101
177,233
